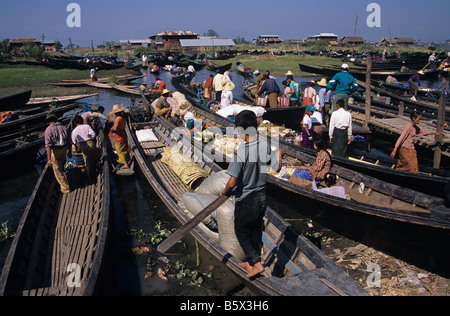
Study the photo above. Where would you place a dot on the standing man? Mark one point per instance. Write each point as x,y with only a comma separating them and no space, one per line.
120,136
218,85
57,145
340,130
343,84
208,87
294,88
248,174
84,138
271,88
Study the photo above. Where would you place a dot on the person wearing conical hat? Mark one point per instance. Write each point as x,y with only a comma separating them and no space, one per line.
227,94
324,99
57,145
162,106
120,135
414,82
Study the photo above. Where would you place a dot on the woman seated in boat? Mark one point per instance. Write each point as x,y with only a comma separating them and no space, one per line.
330,180
319,168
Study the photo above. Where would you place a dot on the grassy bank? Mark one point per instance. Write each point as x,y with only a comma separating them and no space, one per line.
280,65
16,78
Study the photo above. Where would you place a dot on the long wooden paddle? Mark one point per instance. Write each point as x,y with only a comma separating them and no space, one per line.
193,222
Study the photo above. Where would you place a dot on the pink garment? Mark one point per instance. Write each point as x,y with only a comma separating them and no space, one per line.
406,139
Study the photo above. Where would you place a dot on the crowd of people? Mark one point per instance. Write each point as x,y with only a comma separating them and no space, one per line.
62,144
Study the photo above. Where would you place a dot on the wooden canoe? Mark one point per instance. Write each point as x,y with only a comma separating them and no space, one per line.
291,117
294,266
215,68
242,70
60,236
402,222
59,99
35,119
14,101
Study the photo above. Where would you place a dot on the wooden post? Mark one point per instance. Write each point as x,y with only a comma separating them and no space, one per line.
401,108
439,129
368,96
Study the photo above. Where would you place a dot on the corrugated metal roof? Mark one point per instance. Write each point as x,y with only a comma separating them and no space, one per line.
206,41
175,33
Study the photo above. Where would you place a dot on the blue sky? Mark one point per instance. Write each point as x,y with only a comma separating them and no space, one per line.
115,20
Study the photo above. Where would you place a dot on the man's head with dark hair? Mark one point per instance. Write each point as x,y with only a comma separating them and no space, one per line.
340,103
101,109
78,120
247,121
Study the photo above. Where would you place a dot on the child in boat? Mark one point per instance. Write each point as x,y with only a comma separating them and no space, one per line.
330,180
248,173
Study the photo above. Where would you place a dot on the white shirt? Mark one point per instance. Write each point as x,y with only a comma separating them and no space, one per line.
307,121
341,119
82,133
317,117
227,98
217,82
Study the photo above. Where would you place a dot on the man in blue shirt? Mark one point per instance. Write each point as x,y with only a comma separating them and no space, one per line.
271,89
248,174
295,89
343,84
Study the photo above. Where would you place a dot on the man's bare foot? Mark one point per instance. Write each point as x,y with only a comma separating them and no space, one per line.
256,269
125,166
246,266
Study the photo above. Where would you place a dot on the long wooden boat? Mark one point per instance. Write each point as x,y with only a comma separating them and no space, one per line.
59,99
107,65
127,89
426,108
18,154
402,89
12,126
329,72
215,68
311,69
402,222
293,265
14,100
291,117
60,243
242,70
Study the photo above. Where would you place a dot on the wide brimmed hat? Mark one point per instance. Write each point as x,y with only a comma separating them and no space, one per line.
229,86
117,109
289,73
166,91
323,82
312,82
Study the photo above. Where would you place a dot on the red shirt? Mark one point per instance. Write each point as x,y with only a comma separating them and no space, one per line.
159,87
120,134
